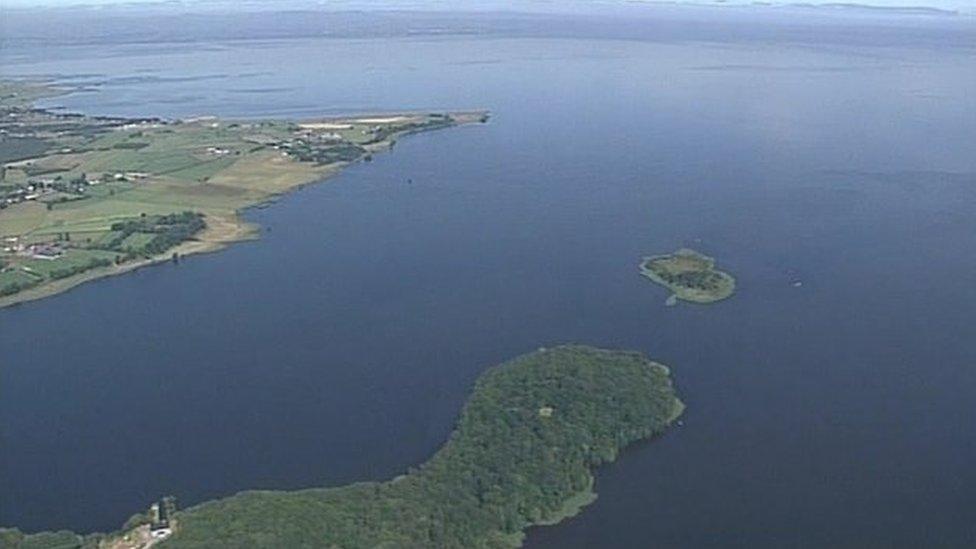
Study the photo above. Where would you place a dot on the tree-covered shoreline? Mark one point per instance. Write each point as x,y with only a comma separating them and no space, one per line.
692,276
522,454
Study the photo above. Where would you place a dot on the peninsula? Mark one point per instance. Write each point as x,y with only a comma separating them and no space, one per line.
83,197
690,275
522,454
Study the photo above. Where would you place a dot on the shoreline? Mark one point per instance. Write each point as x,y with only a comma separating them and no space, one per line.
222,231
575,504
685,294
506,386
241,231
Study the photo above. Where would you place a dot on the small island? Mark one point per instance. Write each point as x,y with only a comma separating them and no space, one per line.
83,197
522,455
690,275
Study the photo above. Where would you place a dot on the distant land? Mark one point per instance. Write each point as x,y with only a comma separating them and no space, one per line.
176,22
908,9
482,5
521,455
83,197
690,275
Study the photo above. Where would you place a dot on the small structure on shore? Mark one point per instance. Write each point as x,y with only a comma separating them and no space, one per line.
47,252
162,511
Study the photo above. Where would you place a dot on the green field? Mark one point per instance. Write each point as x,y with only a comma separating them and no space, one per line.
74,259
25,272
18,148
16,275
69,178
136,241
14,279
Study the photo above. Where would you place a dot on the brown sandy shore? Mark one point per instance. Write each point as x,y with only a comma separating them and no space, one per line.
224,230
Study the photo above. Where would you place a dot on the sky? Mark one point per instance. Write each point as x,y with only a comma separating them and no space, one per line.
960,5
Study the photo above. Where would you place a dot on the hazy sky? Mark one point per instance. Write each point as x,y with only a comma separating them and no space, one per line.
964,5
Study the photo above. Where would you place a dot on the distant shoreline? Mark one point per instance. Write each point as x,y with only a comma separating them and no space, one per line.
225,225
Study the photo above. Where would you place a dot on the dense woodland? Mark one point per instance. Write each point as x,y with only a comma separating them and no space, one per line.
524,446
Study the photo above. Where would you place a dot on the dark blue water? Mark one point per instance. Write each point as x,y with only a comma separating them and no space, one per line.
341,345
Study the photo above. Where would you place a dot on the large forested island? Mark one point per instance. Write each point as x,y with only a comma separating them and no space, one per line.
690,275
522,454
83,197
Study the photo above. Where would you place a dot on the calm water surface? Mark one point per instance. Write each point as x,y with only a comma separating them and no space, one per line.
341,345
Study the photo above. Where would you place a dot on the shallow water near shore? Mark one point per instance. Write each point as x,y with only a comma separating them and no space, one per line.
342,344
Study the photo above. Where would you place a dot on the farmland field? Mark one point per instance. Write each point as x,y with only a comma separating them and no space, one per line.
69,178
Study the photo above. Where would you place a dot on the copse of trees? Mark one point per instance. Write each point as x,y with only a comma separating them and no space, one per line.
14,539
690,275
699,280
12,288
167,230
164,232
523,448
324,154
78,268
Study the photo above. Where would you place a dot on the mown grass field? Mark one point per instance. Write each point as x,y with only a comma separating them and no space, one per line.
74,257
174,168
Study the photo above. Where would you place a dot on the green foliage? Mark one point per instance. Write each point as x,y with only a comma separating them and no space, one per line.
10,537
136,520
522,451
324,154
19,148
14,281
77,268
690,275
153,235
15,539
135,145
73,261
698,280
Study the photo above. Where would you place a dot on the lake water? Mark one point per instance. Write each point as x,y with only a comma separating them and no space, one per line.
342,344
